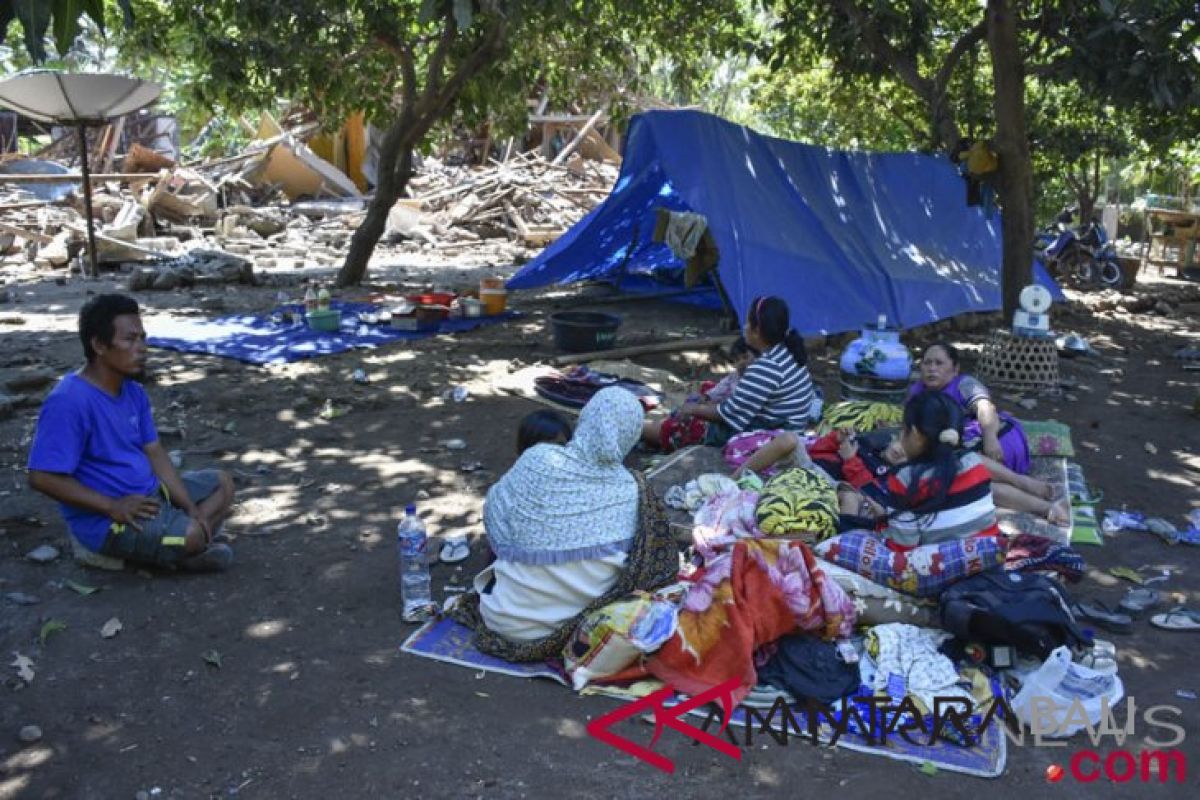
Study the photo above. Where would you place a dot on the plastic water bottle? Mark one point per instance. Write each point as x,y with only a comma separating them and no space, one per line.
415,591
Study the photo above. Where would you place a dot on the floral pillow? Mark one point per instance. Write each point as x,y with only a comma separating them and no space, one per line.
923,571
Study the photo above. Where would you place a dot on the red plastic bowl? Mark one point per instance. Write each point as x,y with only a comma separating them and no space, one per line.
433,298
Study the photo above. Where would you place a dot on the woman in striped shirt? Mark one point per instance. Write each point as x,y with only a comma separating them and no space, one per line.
774,393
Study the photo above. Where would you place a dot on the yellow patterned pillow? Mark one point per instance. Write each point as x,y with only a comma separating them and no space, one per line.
798,502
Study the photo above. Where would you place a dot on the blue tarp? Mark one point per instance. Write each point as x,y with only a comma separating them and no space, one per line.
842,236
256,339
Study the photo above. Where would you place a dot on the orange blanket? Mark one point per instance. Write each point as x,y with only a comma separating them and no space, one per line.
749,597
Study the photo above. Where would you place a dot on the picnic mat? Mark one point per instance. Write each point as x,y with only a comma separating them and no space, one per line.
1053,470
255,339
448,641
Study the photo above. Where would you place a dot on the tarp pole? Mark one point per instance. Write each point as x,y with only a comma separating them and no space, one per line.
87,201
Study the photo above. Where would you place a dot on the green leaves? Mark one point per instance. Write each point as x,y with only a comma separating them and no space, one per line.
51,627
60,18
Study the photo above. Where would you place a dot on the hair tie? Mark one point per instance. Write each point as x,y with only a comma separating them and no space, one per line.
949,436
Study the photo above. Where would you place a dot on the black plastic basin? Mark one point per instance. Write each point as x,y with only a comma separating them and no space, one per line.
584,331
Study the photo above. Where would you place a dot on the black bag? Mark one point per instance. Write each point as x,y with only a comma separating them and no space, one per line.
1029,612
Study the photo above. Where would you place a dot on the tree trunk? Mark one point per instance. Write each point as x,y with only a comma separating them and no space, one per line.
1015,179
394,170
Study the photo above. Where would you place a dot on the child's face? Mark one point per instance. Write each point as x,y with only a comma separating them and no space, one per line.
894,453
913,443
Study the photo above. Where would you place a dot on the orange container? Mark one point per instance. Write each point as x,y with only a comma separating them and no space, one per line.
495,301
486,284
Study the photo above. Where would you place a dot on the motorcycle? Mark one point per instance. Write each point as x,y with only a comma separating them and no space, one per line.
1086,258
1107,268
1060,250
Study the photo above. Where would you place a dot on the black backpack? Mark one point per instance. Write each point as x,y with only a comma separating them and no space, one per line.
1026,611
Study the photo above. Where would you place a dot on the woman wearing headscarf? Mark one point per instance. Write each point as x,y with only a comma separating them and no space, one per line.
775,392
573,530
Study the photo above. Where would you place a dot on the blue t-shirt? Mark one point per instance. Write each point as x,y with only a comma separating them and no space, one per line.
99,440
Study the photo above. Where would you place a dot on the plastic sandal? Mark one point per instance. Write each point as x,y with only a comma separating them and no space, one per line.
1136,601
1100,614
455,550
1177,619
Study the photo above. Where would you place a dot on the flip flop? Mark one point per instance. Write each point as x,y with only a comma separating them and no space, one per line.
1136,601
1177,619
455,549
1097,612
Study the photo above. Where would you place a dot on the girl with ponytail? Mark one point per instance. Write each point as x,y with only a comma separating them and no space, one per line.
943,492
775,392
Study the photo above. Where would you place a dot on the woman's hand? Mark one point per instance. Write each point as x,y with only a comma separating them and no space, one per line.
992,448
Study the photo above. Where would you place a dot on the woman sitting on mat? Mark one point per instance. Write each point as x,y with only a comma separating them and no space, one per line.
776,391
573,530
996,434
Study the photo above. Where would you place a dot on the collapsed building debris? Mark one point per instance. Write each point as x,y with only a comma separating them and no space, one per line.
279,204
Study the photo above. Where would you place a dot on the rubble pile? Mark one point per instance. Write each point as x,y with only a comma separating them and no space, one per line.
277,205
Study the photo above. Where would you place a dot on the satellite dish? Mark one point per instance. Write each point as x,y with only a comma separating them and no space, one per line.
1035,299
78,99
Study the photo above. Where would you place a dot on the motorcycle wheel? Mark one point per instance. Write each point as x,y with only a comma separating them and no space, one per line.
1111,275
1080,269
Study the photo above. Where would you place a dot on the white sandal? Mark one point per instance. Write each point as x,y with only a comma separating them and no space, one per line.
455,549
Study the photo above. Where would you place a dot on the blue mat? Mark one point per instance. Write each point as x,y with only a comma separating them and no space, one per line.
256,339
448,641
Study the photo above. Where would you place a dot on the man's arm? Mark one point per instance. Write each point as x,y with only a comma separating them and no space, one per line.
160,462
65,489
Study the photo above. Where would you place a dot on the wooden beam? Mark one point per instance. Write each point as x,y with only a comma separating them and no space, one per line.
644,349
70,177
579,137
40,238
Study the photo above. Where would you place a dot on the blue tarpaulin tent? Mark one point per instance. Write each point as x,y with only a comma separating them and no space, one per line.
842,236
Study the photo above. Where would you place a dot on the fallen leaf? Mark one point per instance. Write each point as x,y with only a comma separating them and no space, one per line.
24,667
1127,573
50,628
111,628
82,589
212,658
929,768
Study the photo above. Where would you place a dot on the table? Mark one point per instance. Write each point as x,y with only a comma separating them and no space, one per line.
1185,232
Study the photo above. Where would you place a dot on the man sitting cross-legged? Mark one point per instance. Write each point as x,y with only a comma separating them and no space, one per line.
96,451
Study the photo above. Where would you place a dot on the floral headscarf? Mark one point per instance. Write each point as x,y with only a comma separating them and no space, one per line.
562,503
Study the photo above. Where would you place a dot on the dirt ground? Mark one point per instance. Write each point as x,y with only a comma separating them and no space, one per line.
311,696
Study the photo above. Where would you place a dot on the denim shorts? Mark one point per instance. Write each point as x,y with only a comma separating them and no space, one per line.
160,542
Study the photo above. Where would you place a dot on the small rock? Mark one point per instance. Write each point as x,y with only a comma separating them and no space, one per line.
165,281
43,554
454,444
1028,404
422,495
1151,449
30,734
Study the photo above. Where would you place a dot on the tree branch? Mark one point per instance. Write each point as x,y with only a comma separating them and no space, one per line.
437,61
885,52
965,42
